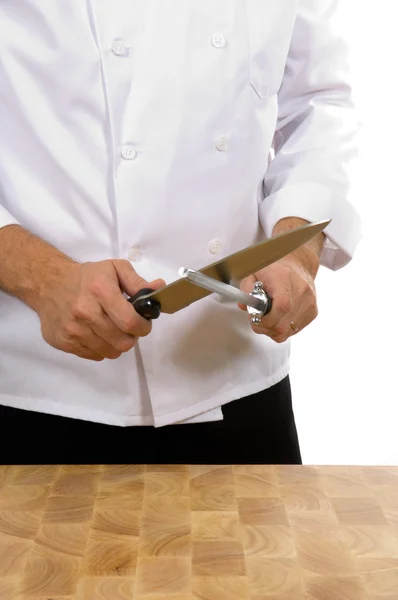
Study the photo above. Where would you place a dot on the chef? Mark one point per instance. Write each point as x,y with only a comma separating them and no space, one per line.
137,138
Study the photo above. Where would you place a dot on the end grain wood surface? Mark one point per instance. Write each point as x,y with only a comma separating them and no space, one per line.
132,532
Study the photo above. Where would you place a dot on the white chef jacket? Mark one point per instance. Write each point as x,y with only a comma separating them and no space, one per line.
144,131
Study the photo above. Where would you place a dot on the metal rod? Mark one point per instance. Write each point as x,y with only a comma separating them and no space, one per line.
218,287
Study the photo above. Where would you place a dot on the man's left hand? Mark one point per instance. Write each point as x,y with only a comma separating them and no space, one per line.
290,283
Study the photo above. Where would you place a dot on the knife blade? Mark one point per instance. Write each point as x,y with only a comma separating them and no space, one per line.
233,268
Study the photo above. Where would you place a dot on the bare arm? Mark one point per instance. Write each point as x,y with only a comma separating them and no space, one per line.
27,264
80,305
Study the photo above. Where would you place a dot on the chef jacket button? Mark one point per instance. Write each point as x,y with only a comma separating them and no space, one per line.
119,48
215,246
128,152
134,254
222,143
218,40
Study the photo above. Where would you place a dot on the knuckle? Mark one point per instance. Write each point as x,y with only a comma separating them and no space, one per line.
114,355
81,311
71,329
279,330
314,312
135,325
80,351
125,345
49,336
128,323
146,330
91,354
311,308
258,330
68,348
98,285
123,262
312,294
285,304
279,339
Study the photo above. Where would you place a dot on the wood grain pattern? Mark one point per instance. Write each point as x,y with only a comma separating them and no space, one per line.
179,532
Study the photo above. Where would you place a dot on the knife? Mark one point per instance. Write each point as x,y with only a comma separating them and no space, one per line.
193,285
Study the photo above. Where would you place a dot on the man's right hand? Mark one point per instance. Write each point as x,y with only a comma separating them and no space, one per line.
84,312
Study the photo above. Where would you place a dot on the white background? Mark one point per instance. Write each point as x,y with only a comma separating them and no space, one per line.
344,366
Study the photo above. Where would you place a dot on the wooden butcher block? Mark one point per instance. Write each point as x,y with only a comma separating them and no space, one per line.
198,533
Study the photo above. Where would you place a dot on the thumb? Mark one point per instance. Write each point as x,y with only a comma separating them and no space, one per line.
129,280
247,285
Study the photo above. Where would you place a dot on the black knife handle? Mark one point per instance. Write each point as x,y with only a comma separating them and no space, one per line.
149,308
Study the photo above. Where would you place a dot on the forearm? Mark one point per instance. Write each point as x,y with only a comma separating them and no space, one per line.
27,264
310,252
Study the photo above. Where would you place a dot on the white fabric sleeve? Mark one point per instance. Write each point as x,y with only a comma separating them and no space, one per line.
6,218
315,136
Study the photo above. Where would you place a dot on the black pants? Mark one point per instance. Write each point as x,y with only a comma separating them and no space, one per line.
258,429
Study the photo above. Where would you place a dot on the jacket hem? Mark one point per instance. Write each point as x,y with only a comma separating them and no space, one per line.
172,418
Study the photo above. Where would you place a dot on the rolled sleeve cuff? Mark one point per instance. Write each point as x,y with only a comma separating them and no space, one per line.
6,218
314,203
